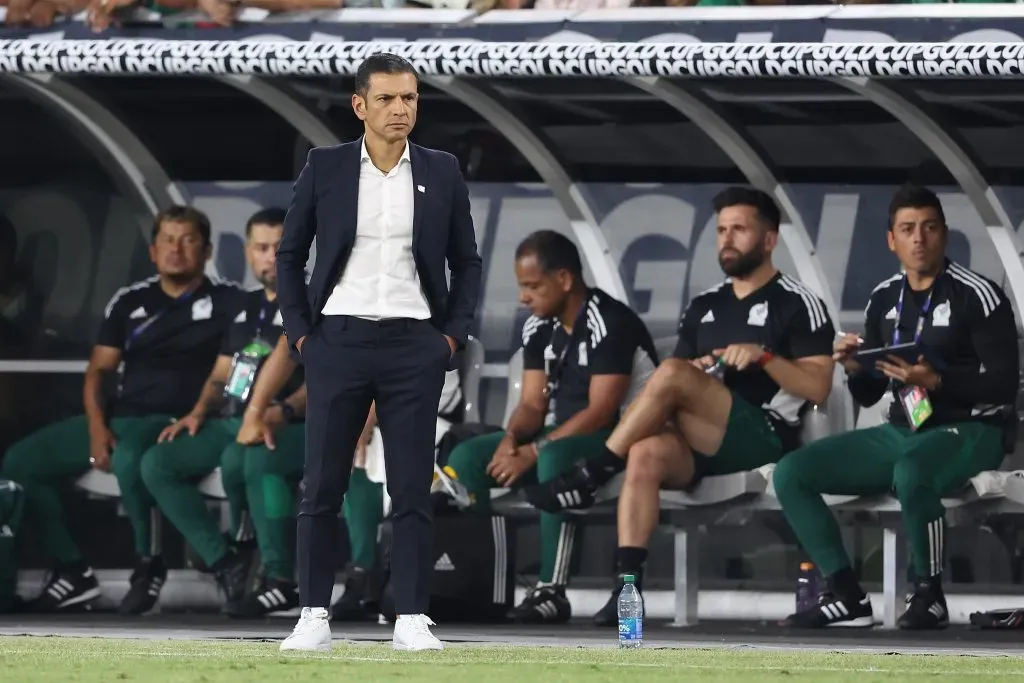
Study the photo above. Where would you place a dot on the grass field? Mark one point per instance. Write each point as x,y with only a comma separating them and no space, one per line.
95,660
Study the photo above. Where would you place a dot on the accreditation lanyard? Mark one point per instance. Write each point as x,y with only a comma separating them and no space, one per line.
263,317
558,368
923,316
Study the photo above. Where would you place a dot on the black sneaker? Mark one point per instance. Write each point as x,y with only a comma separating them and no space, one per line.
353,605
926,610
834,611
543,605
149,577
232,574
272,596
608,615
574,490
66,590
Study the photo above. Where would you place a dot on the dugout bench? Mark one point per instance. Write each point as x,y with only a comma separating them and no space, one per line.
740,498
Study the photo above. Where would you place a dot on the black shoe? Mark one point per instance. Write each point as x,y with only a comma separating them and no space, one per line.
574,490
67,590
926,610
834,611
608,615
272,596
543,605
149,577
353,605
232,574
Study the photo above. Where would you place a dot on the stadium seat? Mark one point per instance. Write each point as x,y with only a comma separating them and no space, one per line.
515,385
212,486
471,374
664,347
99,483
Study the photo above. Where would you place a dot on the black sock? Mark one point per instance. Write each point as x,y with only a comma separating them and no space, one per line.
844,584
76,567
932,583
630,560
224,562
605,466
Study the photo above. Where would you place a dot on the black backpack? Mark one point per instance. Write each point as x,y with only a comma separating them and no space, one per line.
474,569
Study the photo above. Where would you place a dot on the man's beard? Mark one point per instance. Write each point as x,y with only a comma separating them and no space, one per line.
182,278
744,264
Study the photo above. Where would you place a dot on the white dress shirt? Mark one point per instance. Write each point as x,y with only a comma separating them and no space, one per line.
380,279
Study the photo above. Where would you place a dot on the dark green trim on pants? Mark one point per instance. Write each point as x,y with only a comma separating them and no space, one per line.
557,531
920,468
264,482
42,461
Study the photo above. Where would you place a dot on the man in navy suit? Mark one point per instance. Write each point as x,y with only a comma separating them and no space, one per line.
376,327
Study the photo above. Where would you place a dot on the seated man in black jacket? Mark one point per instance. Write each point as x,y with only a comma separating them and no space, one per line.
945,424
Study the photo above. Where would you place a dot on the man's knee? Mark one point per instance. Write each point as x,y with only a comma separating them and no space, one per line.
908,477
232,462
256,462
151,465
470,458
786,475
559,457
646,464
673,380
320,497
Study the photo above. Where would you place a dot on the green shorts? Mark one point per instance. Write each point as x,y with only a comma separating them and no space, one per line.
750,441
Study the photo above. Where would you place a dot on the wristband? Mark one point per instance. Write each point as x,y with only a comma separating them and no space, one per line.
765,358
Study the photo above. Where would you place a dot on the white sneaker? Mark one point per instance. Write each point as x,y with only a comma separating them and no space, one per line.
312,633
412,633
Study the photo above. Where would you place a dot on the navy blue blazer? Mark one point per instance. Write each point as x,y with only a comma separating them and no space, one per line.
324,205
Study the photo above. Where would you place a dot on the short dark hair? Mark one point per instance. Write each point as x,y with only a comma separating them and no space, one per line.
767,209
269,216
553,251
381,63
183,214
912,196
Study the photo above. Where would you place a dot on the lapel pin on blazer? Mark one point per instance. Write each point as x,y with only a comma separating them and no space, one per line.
421,189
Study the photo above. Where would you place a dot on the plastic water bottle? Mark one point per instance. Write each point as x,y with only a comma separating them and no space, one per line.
814,425
631,614
717,370
807,587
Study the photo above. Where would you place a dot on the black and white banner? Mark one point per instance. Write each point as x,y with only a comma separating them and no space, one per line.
513,59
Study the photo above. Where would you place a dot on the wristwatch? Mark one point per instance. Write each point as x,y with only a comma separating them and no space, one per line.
286,410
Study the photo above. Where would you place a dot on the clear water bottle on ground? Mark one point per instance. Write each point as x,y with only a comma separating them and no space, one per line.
807,587
717,370
631,614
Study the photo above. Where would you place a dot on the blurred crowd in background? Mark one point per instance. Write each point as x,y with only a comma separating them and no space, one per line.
101,14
